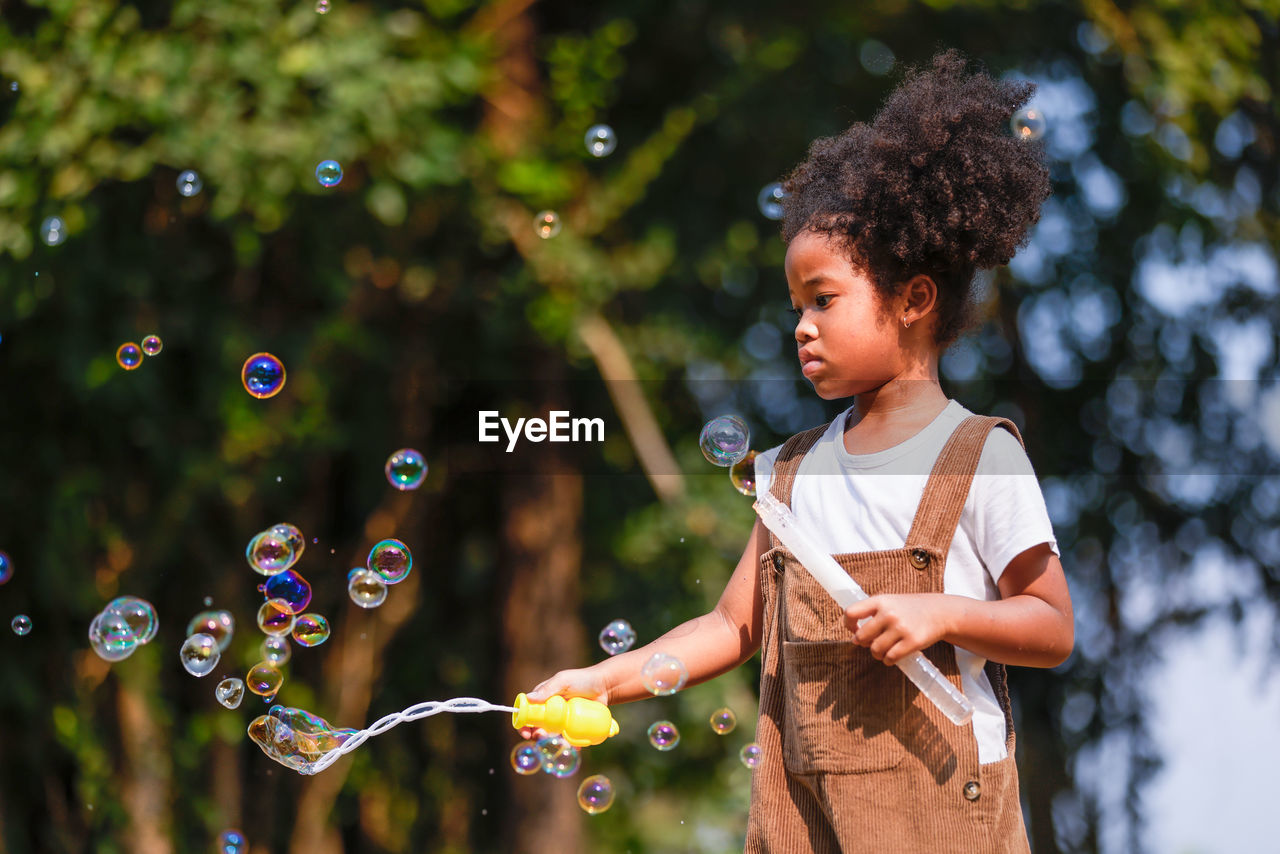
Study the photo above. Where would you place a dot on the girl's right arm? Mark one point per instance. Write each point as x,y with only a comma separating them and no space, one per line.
709,645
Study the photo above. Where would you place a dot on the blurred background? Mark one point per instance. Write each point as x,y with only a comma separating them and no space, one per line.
1133,341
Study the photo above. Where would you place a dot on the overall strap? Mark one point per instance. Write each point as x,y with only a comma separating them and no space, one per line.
787,463
945,492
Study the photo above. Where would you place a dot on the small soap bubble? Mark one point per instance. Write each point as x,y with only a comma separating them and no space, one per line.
617,637
231,842
269,553
276,618
21,624
723,721
289,586
751,754
1028,124
525,758
139,614
769,200
595,795
263,375
559,757
743,474
189,183
53,230
391,559
724,440
128,355
219,625
230,692
322,8
547,224
406,469
276,650
152,345
310,630
208,600
601,140
663,674
200,654
6,568
293,535
111,637
366,588
264,679
663,735
328,173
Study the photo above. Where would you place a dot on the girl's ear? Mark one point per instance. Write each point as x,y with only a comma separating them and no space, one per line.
919,296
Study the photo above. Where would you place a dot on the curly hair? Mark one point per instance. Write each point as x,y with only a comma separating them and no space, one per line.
936,184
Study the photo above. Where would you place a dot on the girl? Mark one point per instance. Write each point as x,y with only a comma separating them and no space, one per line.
933,511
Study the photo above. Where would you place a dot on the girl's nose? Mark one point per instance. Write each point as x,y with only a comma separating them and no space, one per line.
806,330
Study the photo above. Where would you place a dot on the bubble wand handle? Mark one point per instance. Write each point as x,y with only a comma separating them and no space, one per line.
779,519
413,713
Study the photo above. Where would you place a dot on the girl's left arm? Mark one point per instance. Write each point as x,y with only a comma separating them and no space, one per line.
1032,625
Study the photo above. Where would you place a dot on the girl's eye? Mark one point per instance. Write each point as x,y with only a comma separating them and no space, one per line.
822,300
797,312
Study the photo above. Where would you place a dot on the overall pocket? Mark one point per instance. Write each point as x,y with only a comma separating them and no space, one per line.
842,709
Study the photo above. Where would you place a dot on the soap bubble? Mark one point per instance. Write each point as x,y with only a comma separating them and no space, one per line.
559,757
269,553
200,654
391,559
276,618
292,534
230,692
769,200
663,735
743,474
111,637
525,758
264,679
311,630
663,674
139,614
263,375
595,795
547,224
21,624
723,721
296,738
189,183
53,230
617,637
406,469
219,625
152,345
366,588
724,440
231,842
328,173
276,650
751,754
322,8
289,586
1028,124
128,355
6,568
601,140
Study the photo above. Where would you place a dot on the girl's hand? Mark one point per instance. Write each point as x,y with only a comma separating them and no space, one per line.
583,682
897,624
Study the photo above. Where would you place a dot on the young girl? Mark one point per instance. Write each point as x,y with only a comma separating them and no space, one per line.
933,511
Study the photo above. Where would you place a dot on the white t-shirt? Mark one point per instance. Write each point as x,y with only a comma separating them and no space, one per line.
866,502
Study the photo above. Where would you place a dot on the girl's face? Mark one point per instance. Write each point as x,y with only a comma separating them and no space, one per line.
848,342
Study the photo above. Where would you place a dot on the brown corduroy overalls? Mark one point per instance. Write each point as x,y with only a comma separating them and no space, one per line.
855,758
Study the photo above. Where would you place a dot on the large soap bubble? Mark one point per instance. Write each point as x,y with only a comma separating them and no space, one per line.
263,375
525,758
289,586
664,674
6,568
743,474
751,754
219,625
617,637
595,795
139,614
559,757
276,617
724,440
230,692
391,559
366,588
663,735
199,654
406,469
264,679
269,552
600,140
723,721
310,630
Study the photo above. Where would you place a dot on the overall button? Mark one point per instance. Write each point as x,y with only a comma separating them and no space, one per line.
779,562
919,558
972,790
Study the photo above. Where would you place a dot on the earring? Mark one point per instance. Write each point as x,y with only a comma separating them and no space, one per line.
905,324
